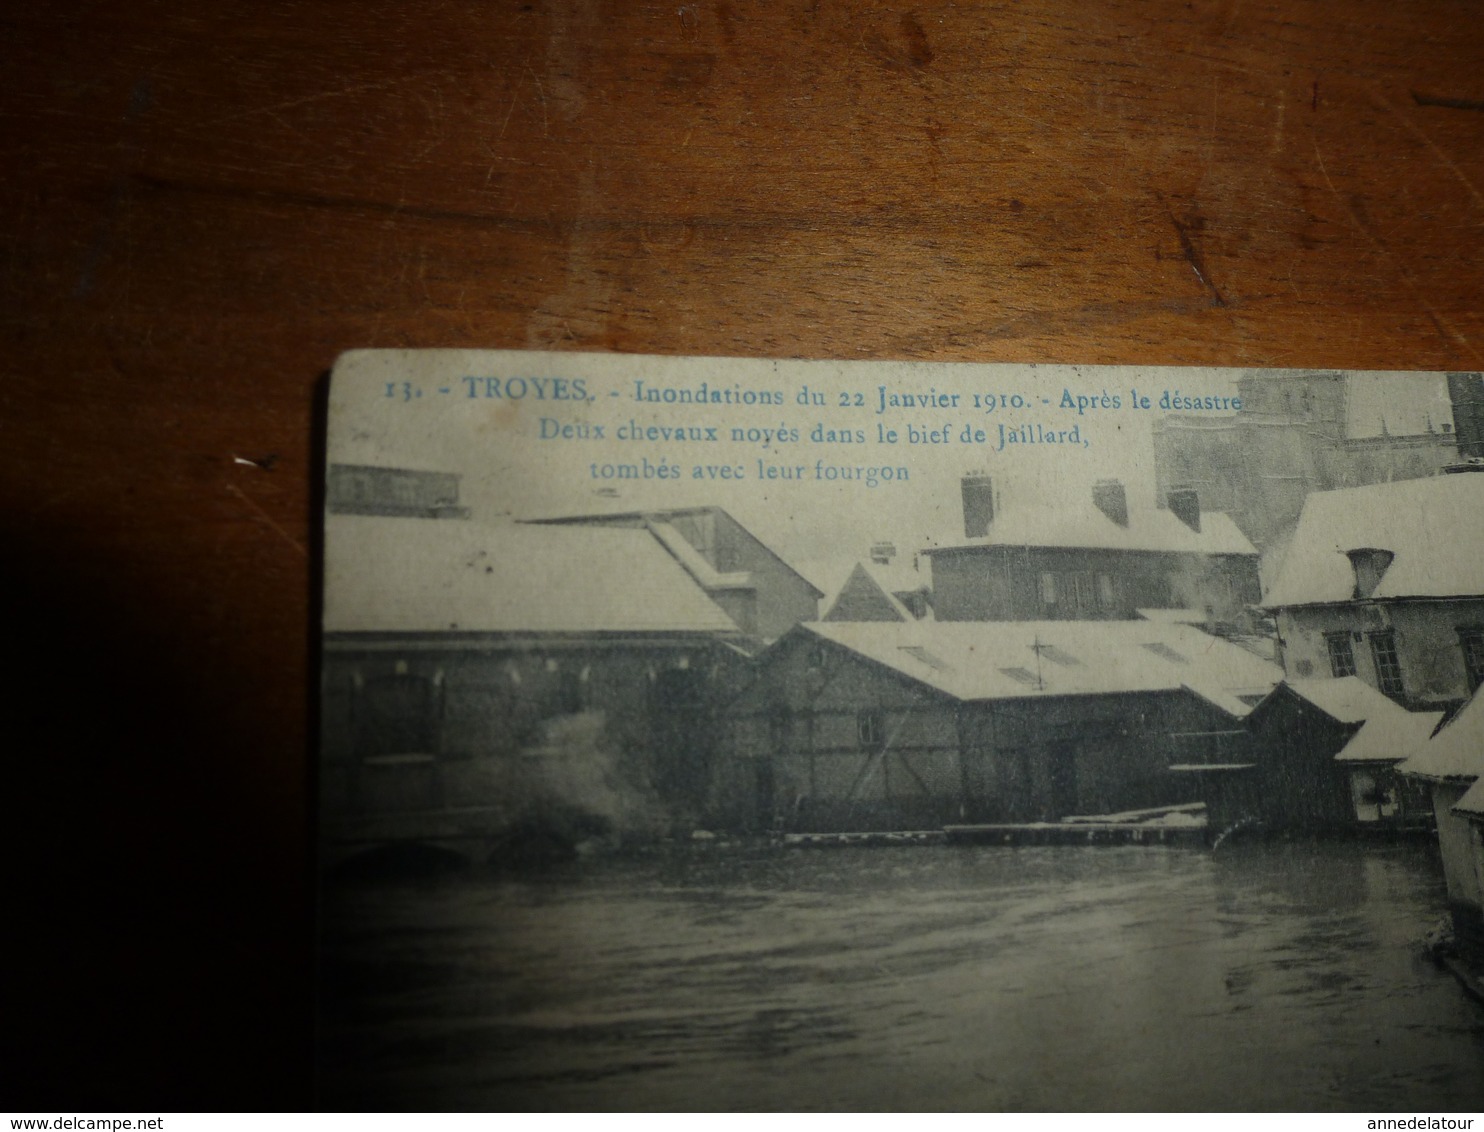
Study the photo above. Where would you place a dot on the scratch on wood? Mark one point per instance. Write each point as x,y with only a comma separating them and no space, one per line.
267,518
1193,254
541,93
1446,330
514,99
293,102
1427,141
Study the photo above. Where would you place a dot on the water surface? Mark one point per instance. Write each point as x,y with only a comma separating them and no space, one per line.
1263,976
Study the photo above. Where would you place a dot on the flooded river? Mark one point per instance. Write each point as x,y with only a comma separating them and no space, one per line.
1263,976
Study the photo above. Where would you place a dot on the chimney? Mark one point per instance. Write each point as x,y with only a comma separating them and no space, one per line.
1369,563
1111,500
1185,502
978,496
883,552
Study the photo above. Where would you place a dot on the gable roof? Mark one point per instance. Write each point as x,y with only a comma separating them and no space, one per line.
994,660
1456,752
1434,527
445,575
621,514
1386,732
864,591
1087,528
1345,699
1389,736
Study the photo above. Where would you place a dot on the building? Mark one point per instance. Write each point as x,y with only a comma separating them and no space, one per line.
1386,583
880,588
1466,390
878,725
760,592
1451,764
1102,561
1299,432
481,680
364,489
1321,756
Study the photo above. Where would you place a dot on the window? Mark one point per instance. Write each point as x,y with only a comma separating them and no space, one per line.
1388,664
1075,594
870,726
1160,649
1055,655
1106,596
1472,642
1048,589
1081,587
1024,675
1341,654
918,653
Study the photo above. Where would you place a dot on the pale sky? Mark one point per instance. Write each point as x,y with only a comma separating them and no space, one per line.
509,472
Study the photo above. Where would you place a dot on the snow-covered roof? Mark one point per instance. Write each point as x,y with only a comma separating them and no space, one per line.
1345,699
1390,736
695,563
446,575
1388,732
617,511
1456,752
989,660
1434,527
1086,527
1472,802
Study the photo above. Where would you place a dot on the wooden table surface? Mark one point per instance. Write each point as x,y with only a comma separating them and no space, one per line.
203,204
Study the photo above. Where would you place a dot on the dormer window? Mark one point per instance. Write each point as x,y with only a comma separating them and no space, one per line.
1369,565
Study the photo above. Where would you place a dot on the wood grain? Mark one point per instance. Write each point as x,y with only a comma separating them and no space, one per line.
205,203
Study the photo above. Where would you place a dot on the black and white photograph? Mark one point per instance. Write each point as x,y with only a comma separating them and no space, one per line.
706,733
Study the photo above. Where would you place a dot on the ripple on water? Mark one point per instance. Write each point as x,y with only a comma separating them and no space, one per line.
1263,977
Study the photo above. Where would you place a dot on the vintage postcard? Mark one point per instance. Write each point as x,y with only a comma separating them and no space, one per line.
751,734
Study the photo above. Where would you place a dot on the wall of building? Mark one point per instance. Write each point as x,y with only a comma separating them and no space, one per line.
1463,866
1042,760
1288,440
796,751
1007,583
795,755
515,729
783,598
1426,636
1298,783
356,489
1466,390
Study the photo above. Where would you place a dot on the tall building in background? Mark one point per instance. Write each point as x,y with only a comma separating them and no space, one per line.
1466,391
396,493
1303,431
